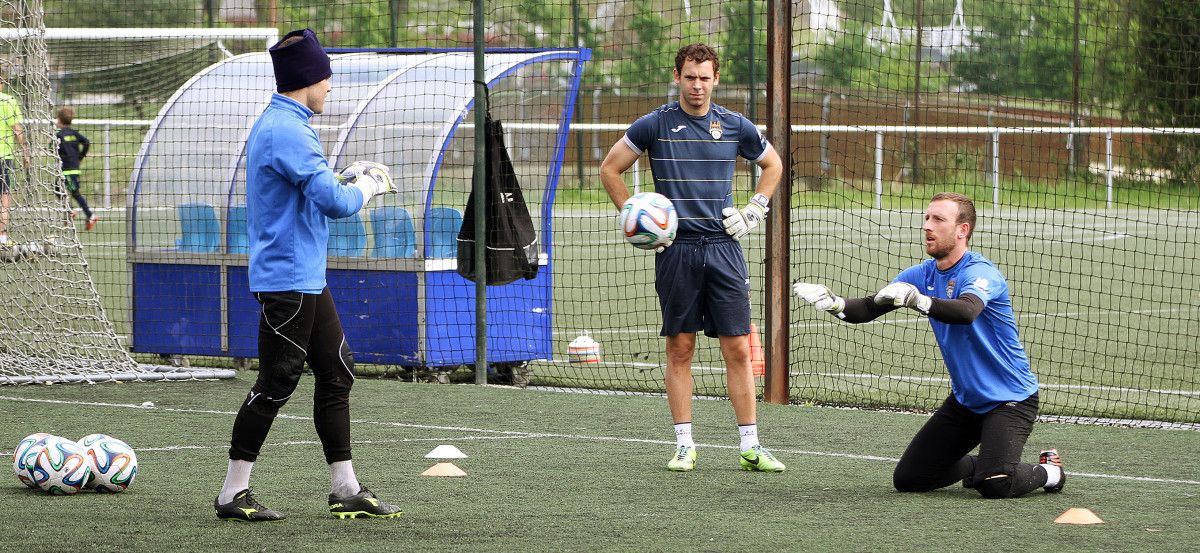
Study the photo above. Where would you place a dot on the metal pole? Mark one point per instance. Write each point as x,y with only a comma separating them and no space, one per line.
1108,168
878,169
752,82
107,168
637,177
1074,141
916,151
779,132
392,22
578,134
479,182
996,171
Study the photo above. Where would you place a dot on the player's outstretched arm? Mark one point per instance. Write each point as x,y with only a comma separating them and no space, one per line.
854,310
820,297
962,310
903,294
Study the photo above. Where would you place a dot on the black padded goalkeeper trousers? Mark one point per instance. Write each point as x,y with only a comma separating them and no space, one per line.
938,454
295,328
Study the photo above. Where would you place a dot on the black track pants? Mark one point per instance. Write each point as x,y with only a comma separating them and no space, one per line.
937,455
295,328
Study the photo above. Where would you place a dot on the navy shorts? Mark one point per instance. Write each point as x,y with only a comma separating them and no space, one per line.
703,283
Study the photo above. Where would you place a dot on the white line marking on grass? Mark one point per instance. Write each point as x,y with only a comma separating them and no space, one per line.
442,439
579,437
1134,478
654,330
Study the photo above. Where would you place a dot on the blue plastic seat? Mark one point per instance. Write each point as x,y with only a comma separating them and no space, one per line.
236,238
200,232
347,236
442,238
392,229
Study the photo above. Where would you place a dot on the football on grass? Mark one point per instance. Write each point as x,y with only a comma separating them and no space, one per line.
113,463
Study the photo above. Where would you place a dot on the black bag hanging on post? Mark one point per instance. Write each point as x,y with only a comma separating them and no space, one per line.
512,248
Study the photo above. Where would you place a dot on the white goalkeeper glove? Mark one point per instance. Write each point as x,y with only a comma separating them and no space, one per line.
903,294
740,223
368,177
820,297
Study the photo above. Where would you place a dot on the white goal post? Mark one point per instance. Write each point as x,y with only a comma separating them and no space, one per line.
54,327
269,36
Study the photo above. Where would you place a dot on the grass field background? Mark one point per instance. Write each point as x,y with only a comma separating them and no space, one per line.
1106,303
551,471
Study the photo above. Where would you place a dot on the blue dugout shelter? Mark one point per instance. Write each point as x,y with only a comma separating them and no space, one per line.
392,266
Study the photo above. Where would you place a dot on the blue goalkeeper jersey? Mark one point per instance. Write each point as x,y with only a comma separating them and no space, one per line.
290,190
693,158
987,364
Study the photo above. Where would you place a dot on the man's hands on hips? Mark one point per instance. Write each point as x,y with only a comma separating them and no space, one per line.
739,223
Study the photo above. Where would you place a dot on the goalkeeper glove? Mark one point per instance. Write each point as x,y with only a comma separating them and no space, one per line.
820,297
368,177
903,294
740,223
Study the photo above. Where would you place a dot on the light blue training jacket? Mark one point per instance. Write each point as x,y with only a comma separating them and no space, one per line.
290,190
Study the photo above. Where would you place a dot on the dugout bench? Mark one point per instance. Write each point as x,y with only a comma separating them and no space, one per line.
392,266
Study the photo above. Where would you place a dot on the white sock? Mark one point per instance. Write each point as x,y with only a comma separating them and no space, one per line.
749,433
343,482
683,434
1053,474
237,478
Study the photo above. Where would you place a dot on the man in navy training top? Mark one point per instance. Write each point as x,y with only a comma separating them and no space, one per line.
702,280
290,190
994,394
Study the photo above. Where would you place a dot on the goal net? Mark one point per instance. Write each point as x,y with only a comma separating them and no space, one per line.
54,327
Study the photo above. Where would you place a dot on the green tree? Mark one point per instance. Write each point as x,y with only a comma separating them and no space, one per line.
1166,81
736,50
552,25
852,61
123,13
1028,50
656,39
342,23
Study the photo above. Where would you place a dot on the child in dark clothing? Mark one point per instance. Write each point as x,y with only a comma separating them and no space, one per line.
72,147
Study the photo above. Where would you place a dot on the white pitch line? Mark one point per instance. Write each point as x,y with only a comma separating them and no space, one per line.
442,439
578,437
654,330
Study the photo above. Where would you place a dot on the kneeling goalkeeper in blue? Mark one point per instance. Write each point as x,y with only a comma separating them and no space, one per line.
290,190
994,400
702,279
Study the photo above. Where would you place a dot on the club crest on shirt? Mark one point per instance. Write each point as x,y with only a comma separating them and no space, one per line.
950,289
714,129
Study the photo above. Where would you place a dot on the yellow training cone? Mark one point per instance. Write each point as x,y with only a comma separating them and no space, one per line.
1078,515
444,469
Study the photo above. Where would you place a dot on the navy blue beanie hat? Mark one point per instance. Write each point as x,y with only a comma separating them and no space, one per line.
299,63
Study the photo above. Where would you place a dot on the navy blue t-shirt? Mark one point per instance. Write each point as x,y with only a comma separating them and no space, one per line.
693,158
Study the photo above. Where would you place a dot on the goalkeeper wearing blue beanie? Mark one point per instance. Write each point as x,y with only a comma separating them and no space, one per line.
994,393
290,191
